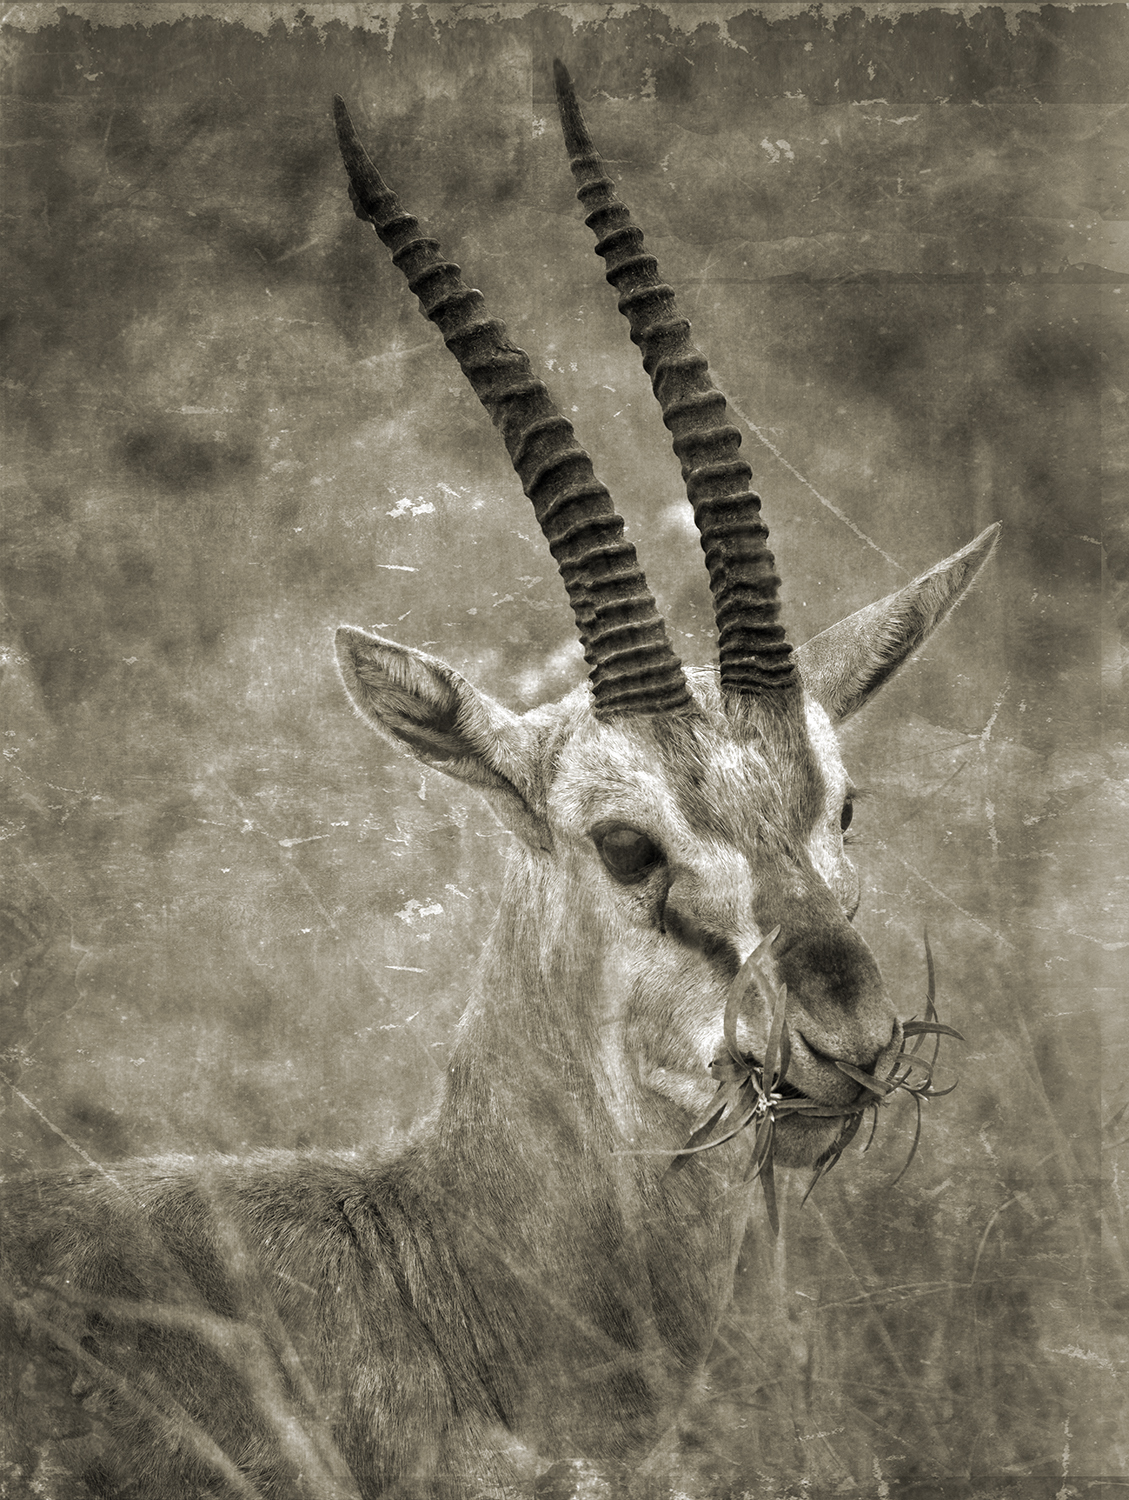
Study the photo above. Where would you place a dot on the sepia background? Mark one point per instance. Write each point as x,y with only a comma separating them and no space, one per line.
233,918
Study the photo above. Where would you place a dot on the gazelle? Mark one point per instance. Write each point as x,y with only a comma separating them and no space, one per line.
529,1274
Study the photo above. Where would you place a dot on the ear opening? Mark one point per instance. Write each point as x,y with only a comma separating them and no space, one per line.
847,663
424,707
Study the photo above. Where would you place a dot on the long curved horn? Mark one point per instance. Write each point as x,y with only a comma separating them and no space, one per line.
754,653
632,666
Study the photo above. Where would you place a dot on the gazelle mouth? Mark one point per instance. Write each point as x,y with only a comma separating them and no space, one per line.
755,1091
785,1090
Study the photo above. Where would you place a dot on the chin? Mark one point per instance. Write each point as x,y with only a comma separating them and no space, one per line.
800,1143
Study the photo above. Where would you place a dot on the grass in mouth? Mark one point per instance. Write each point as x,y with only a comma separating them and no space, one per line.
757,1093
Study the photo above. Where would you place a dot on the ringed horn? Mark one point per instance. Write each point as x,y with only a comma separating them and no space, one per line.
632,667
755,657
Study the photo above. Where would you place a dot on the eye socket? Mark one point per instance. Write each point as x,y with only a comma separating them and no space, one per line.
627,853
846,815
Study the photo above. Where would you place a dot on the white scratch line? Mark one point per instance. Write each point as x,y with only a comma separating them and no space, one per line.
289,843
986,733
1087,1354
75,1147
937,891
823,500
397,568
993,835
379,359
298,250
1108,947
328,917
1087,937
406,969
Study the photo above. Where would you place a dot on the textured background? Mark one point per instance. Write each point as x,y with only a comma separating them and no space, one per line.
232,918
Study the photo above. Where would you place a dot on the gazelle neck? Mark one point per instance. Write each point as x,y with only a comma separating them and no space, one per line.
616,1273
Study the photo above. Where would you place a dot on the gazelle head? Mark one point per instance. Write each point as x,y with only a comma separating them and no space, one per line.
668,822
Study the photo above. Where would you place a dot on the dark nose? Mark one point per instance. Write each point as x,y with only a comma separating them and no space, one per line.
836,997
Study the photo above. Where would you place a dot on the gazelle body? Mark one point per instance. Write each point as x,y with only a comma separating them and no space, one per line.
528,1269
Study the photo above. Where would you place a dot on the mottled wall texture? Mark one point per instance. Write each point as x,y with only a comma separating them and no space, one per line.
232,918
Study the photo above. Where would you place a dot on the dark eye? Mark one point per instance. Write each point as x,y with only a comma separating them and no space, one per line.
628,854
846,815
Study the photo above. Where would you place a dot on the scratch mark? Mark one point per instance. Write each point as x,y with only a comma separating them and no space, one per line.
1066,1490
1074,1352
986,732
883,1486
910,1289
290,843
396,1025
379,359
416,909
823,500
327,916
63,1136
990,809
937,891
297,250
1106,947
417,507
1087,937
403,969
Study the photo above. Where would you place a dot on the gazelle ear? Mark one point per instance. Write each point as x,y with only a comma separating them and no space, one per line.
425,707
843,665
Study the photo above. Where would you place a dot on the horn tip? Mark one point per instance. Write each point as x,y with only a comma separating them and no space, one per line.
366,186
346,131
577,140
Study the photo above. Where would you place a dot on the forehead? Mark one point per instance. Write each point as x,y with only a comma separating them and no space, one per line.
707,777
